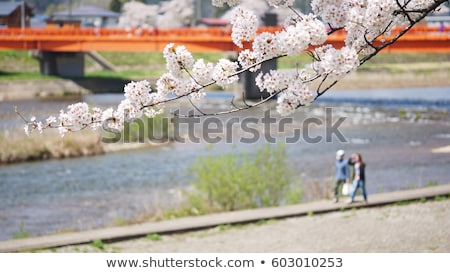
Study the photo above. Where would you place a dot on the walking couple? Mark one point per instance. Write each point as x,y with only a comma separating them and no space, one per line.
350,169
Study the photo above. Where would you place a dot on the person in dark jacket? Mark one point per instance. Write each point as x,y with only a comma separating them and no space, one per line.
342,173
359,180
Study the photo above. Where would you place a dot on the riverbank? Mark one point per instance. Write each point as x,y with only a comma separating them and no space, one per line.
135,186
20,148
416,223
411,228
16,147
59,88
374,76
397,76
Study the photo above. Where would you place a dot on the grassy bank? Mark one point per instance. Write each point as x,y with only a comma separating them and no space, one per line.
16,147
19,65
20,77
50,145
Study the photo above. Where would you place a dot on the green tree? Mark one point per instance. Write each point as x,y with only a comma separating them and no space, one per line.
241,181
115,5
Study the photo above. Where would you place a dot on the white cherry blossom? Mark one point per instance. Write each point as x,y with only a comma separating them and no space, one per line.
249,58
296,94
178,59
336,62
245,25
224,71
363,22
267,46
202,71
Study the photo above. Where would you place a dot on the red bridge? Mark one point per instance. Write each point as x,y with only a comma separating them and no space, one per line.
418,39
60,47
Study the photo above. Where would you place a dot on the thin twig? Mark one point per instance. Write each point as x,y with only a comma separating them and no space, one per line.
16,110
196,108
237,109
296,13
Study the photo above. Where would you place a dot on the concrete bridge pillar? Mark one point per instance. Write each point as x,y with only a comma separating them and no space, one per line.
64,64
252,92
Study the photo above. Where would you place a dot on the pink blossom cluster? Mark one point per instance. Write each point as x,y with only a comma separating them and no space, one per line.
291,87
366,20
297,94
335,62
224,73
202,71
245,25
363,20
178,59
78,116
297,36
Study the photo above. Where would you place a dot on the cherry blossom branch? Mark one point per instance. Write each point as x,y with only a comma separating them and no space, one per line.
386,44
404,31
364,24
296,13
236,109
211,83
403,11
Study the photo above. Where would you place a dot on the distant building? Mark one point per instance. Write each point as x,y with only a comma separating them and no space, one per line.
439,18
38,21
88,16
15,14
212,22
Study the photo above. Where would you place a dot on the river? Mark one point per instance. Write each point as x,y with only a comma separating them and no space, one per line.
394,130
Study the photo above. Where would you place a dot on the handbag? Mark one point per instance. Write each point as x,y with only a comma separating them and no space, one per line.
346,189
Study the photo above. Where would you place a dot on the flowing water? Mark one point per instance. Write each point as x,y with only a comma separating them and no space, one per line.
394,130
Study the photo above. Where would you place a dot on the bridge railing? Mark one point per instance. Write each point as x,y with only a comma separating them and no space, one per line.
420,38
215,31
210,31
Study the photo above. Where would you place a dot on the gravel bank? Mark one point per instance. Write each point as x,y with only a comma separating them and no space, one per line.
416,227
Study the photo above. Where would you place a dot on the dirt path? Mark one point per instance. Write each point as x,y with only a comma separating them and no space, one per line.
417,227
